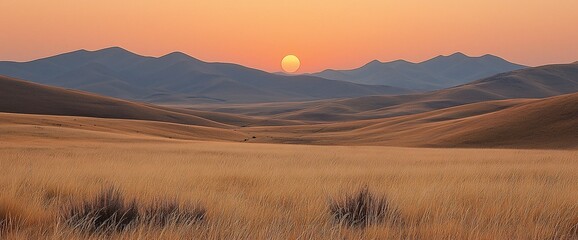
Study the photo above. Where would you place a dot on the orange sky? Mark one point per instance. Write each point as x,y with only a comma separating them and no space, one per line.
336,34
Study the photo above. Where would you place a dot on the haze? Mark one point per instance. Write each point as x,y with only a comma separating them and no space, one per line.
324,34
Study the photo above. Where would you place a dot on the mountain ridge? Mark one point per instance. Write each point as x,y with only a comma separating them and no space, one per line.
183,78
436,73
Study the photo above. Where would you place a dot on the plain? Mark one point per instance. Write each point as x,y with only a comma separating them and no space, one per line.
271,191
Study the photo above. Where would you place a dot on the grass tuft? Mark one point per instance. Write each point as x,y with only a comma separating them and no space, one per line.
107,212
362,209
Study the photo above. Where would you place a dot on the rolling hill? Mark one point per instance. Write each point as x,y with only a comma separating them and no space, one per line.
522,123
537,82
436,73
36,112
177,78
544,123
17,96
28,128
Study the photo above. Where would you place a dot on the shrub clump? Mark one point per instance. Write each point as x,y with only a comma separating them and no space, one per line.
107,212
362,209
162,213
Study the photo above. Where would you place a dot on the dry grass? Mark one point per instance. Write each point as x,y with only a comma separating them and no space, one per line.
253,191
108,211
363,209
165,212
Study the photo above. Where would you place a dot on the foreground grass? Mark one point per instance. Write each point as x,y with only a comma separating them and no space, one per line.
252,191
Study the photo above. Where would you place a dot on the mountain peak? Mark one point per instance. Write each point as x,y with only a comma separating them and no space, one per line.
178,56
376,63
113,50
458,54
400,61
373,63
453,56
492,57
489,55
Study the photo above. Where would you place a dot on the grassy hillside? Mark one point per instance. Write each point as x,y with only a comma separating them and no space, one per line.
17,96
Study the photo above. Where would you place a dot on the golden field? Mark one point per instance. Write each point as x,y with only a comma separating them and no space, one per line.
270,191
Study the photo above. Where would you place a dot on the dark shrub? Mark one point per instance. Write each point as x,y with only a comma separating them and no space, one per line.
163,212
107,212
362,209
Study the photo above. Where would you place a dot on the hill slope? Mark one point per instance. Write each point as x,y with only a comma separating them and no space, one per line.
436,73
552,122
18,96
538,123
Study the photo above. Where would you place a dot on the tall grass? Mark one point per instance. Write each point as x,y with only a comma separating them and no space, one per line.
363,209
108,211
163,212
255,191
8,215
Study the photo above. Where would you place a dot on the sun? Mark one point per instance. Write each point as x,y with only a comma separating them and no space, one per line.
290,63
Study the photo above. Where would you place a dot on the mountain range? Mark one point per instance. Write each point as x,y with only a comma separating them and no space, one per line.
177,78
436,73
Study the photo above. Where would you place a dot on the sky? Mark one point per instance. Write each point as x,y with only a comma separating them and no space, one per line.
337,34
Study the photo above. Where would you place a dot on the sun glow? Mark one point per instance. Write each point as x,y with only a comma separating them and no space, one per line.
290,63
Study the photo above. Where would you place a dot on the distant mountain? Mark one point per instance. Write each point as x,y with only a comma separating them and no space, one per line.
437,73
177,78
537,82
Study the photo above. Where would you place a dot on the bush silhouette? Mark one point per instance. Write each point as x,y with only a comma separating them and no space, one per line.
362,209
107,212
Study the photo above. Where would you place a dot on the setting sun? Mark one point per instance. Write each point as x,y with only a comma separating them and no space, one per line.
290,63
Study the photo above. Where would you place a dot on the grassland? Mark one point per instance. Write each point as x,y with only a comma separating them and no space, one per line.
269,191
